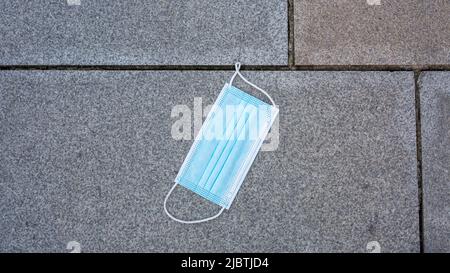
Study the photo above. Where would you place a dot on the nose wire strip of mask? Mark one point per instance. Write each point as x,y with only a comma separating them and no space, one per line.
236,73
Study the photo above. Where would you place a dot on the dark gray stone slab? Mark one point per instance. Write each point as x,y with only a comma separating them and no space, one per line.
396,32
98,32
435,110
89,157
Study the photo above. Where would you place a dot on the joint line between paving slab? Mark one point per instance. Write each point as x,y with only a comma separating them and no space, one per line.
291,42
231,67
419,158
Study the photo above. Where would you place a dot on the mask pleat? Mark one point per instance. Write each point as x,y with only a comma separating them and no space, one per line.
222,140
208,144
230,143
240,149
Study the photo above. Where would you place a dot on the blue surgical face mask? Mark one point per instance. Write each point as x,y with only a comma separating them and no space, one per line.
226,146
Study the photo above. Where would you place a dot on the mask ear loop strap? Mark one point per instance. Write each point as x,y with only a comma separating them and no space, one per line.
237,73
183,221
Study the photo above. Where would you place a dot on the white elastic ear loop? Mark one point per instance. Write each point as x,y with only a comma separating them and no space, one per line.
238,67
183,221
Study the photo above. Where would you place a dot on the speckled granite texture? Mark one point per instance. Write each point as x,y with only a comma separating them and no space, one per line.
89,156
188,32
435,109
349,32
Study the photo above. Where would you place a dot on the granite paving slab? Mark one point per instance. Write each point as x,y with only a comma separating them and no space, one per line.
435,121
98,32
372,32
88,156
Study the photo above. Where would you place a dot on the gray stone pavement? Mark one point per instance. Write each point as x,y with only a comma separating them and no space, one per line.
396,32
98,32
89,156
435,109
